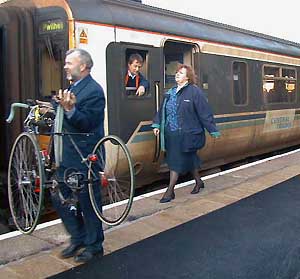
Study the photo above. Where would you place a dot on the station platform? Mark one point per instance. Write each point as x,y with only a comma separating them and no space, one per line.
37,255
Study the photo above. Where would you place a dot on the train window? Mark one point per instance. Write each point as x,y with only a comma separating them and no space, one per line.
131,81
176,53
239,78
288,73
279,84
271,71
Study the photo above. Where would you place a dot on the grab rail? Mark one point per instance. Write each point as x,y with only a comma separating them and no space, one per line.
157,138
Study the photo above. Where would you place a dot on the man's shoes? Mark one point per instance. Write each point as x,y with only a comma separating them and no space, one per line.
167,199
197,188
70,251
87,255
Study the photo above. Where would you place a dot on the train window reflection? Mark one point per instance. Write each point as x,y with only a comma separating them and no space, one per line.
240,93
279,84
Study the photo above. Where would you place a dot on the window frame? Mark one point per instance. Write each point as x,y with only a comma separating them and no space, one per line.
279,78
145,70
246,86
194,48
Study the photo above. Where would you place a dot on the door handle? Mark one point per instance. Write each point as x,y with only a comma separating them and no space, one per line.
156,84
157,138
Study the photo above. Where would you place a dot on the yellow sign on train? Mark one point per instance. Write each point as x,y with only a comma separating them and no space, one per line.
52,26
83,37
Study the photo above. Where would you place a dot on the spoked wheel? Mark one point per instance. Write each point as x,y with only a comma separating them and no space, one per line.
25,183
111,172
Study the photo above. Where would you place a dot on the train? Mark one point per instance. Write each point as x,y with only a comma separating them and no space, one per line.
250,79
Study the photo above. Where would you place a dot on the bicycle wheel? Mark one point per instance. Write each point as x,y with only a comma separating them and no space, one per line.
25,183
111,170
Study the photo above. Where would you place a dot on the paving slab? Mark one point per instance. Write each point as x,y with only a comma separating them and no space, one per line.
221,198
163,221
128,235
40,266
13,249
55,235
8,273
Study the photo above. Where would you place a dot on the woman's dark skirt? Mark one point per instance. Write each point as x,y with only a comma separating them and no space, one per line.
177,160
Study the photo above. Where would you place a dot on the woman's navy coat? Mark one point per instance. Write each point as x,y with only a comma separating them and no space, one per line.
194,115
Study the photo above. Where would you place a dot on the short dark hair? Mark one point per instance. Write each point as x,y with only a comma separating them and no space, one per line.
135,56
85,57
189,72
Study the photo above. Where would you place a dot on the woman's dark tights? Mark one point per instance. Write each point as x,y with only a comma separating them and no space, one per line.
173,179
199,183
197,177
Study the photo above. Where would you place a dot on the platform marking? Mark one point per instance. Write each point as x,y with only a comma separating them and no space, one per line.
184,184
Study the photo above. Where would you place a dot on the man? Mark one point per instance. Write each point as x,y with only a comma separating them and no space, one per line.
133,77
83,106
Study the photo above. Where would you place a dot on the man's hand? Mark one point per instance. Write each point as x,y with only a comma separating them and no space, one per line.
44,106
67,100
140,91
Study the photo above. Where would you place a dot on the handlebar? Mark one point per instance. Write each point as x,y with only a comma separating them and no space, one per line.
13,108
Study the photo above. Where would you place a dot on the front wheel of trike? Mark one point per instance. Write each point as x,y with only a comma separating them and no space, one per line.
111,180
25,182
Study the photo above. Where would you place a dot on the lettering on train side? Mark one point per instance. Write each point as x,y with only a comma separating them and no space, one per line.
279,119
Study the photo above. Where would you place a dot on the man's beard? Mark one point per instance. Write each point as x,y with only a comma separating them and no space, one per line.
72,78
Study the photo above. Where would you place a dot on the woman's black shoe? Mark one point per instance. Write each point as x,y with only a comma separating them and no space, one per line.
197,188
167,199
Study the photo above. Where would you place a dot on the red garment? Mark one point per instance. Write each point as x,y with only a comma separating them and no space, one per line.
137,80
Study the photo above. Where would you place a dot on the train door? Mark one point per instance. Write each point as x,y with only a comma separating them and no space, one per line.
129,114
52,44
3,136
2,92
17,68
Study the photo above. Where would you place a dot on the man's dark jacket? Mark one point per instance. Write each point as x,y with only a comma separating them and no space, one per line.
87,118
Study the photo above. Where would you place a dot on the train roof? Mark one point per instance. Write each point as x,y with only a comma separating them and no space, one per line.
134,14
140,16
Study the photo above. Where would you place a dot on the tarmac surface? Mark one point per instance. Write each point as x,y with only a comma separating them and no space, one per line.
37,255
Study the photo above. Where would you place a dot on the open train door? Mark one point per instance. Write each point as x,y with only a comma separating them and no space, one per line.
129,116
17,71
17,82
3,63
51,44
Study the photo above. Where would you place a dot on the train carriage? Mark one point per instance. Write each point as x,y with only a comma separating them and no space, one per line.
250,79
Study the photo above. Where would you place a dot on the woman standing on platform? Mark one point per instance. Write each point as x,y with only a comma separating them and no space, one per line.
181,121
